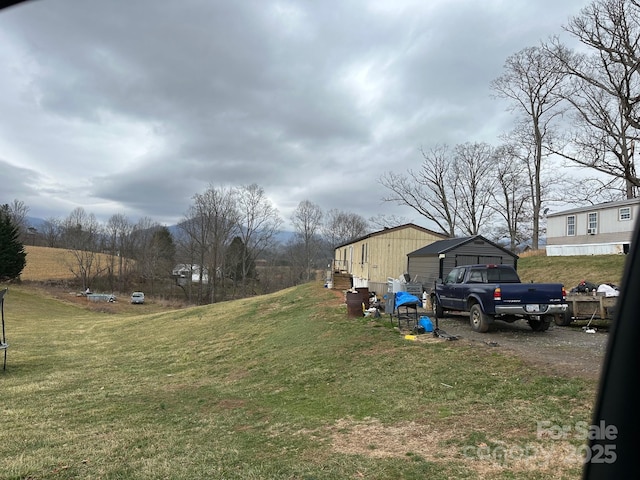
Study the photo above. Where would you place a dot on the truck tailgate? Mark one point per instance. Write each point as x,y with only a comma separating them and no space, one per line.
531,293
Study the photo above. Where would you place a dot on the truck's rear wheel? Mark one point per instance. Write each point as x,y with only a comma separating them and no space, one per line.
479,320
563,319
541,325
436,308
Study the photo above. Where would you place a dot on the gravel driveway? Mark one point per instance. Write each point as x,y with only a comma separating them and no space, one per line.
567,351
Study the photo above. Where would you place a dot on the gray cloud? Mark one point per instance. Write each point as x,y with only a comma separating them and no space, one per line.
134,107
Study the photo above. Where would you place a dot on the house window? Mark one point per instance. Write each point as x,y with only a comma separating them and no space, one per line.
592,223
624,213
365,253
571,225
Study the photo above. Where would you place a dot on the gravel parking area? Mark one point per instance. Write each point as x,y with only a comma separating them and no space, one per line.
566,351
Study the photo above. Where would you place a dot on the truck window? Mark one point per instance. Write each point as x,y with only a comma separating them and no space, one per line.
475,276
453,275
502,275
460,277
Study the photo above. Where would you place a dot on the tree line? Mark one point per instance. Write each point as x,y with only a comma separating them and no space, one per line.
225,246
576,107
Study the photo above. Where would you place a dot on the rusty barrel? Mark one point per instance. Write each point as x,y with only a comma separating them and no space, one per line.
364,295
354,304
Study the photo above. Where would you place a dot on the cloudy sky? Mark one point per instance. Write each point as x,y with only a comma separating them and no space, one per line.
134,106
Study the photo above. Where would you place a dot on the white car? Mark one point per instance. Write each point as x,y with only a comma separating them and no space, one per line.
137,297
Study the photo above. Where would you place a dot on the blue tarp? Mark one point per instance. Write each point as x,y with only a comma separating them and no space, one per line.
404,298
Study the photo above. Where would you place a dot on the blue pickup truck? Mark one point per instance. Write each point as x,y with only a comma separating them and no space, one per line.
490,292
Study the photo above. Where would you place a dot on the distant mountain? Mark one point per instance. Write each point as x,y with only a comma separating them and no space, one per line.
285,237
37,223
174,230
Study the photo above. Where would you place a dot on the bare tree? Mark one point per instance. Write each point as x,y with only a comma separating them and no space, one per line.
592,190
187,249
606,89
387,221
295,254
155,254
511,196
531,82
259,222
81,236
224,218
198,228
118,232
340,227
452,188
141,257
209,226
432,192
307,221
50,231
612,29
473,169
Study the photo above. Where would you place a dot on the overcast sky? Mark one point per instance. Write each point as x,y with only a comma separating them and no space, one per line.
134,106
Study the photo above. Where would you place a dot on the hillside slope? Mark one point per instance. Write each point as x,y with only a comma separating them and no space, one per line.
282,386
570,271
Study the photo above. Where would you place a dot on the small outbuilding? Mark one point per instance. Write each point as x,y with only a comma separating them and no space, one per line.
437,259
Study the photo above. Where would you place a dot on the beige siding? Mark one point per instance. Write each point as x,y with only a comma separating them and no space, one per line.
383,254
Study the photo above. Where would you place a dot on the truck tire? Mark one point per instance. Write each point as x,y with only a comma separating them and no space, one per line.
436,308
563,319
541,325
479,320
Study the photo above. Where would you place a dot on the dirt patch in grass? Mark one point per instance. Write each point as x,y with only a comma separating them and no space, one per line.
231,403
373,439
411,440
339,296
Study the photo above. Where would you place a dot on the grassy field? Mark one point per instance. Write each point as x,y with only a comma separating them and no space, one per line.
283,386
45,263
570,271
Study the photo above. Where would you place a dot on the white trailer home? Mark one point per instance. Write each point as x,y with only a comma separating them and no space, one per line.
602,229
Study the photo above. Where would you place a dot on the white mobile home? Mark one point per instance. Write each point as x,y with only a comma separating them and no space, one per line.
602,229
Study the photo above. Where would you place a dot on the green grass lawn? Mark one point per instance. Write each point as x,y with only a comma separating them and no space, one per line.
571,270
283,386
